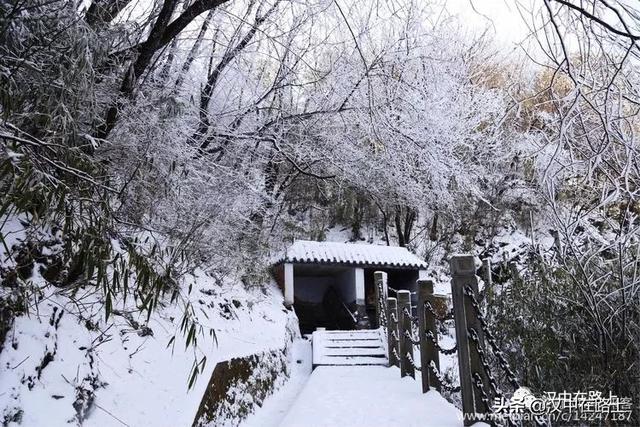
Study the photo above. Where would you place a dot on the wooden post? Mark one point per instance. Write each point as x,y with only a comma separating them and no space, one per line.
392,332
427,323
406,347
463,274
380,284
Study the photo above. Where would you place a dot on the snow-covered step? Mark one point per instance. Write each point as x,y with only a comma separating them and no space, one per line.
353,343
353,361
339,348
355,351
351,337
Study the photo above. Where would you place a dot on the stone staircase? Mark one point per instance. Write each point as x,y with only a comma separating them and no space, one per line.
348,348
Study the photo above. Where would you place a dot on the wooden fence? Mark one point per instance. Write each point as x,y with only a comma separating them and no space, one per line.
408,334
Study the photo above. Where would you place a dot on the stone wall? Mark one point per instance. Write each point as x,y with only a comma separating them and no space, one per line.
238,385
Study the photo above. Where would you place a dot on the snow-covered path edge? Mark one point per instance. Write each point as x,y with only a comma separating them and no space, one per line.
276,406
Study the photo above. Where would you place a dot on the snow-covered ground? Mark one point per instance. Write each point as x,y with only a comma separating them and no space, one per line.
359,396
122,370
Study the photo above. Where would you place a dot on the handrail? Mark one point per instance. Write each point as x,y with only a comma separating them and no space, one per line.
401,334
474,339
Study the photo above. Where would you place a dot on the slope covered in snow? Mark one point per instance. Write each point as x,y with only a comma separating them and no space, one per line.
65,364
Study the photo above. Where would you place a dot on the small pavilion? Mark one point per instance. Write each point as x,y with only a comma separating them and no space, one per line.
331,285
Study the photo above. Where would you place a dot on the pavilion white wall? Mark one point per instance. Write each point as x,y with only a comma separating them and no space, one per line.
288,284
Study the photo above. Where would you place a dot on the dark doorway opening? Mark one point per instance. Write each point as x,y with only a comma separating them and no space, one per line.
324,297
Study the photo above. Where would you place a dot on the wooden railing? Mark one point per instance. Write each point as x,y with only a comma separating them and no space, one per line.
407,335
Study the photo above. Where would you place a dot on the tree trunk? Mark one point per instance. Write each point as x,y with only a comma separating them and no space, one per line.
194,50
404,220
162,33
145,54
433,233
199,136
399,230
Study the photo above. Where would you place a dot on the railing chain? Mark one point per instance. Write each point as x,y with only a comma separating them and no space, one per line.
414,319
416,367
447,351
443,383
447,316
477,380
395,353
491,339
382,306
394,318
410,338
483,361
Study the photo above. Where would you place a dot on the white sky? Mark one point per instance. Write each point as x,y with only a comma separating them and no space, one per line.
502,17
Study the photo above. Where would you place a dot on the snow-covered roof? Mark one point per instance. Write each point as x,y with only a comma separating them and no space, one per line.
307,251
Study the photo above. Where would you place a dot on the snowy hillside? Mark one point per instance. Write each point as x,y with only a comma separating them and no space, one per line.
64,365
